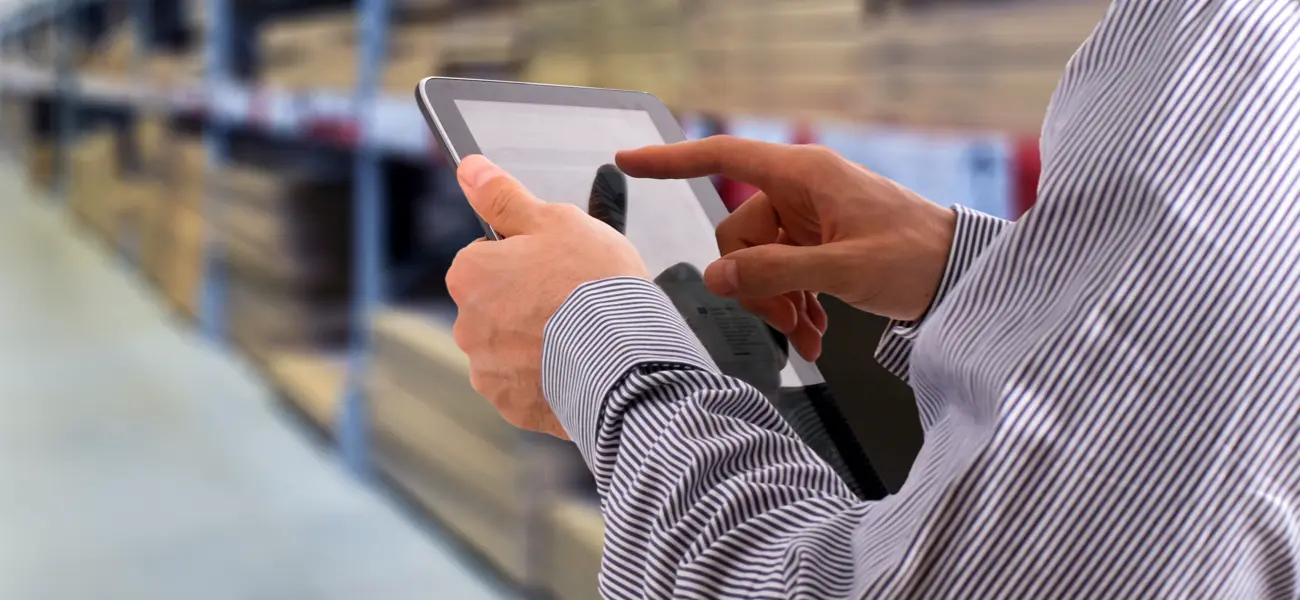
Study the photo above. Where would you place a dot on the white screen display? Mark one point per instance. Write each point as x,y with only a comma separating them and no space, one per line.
555,151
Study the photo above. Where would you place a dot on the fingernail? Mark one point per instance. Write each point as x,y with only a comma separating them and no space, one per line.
476,171
722,278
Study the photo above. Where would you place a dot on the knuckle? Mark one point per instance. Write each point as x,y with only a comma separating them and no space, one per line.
728,230
480,384
718,146
458,279
820,152
455,283
460,333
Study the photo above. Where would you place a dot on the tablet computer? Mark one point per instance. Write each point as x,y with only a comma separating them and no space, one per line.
560,142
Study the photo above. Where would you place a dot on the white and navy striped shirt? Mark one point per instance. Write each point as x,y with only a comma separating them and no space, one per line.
1108,386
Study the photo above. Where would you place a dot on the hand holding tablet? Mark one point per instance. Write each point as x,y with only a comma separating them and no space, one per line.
533,261
553,140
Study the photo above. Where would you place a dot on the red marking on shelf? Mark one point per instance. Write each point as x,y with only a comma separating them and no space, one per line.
1028,167
340,132
804,133
733,193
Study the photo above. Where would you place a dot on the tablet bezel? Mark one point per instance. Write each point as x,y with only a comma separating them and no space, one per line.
437,98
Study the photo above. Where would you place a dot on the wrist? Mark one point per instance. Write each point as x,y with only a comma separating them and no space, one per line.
929,250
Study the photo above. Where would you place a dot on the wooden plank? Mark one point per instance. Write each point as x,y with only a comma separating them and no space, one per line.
493,537
312,381
1024,24
560,68
577,535
464,482
265,318
661,74
304,33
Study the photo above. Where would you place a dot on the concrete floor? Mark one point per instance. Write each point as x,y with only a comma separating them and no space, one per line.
137,462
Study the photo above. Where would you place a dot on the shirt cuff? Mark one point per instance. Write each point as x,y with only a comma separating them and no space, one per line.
602,332
974,232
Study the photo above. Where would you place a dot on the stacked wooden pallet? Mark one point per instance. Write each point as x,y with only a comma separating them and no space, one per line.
312,380
973,67
316,51
484,43
287,243
965,67
448,447
321,51
38,157
781,57
93,167
112,58
170,69
173,238
622,44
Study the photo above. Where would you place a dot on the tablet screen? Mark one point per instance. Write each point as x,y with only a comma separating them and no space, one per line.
555,151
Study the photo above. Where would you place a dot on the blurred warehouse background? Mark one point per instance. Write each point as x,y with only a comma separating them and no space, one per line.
259,171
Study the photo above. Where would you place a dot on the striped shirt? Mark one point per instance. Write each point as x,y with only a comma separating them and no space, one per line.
1108,386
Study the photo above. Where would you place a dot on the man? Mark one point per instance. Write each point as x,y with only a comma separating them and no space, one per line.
1107,386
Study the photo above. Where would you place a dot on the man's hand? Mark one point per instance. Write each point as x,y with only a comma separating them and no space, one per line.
507,290
820,224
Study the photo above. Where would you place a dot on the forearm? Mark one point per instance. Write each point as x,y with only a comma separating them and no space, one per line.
706,491
974,232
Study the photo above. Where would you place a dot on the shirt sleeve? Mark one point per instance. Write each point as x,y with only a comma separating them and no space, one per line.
975,231
706,491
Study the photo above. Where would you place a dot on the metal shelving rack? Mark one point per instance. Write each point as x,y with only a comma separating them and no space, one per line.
224,26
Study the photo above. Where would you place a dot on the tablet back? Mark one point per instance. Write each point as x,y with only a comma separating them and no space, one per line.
879,407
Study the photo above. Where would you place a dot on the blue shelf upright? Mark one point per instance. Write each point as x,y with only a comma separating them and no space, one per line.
65,92
142,12
219,47
369,217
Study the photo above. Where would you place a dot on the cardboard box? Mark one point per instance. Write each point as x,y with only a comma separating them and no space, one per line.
167,70
40,158
286,229
92,179
322,53
156,234
123,226
265,318
489,482
183,264
113,57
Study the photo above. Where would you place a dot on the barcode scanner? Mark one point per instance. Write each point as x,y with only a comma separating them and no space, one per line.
608,201
744,346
